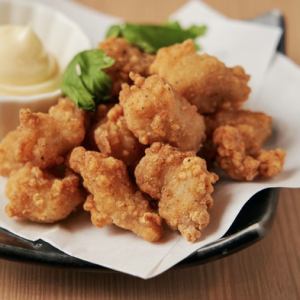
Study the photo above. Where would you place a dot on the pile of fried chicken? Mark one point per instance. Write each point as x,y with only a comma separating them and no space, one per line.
142,162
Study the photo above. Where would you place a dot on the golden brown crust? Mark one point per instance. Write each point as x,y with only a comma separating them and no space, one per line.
155,113
151,171
38,196
113,199
270,162
113,137
238,163
256,127
181,183
202,79
9,152
43,139
127,59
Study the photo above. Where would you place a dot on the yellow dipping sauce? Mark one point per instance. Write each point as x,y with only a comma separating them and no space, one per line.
26,68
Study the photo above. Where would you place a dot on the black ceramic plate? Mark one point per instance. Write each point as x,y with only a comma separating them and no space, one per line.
252,223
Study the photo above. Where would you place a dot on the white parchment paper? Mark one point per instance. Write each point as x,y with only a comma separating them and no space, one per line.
276,82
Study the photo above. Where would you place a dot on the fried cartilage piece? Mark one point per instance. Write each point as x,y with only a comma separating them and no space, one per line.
43,138
39,196
112,137
255,127
270,162
202,79
235,160
114,199
127,59
94,120
154,112
181,183
9,152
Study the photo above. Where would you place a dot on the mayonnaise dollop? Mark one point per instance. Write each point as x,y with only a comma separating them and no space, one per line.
25,66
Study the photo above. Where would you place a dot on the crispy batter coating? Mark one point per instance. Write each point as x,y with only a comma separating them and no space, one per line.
39,196
181,183
127,59
256,127
202,79
154,112
113,138
270,162
94,120
43,139
114,199
9,151
235,160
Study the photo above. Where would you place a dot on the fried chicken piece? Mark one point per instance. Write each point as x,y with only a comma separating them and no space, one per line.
113,138
256,127
202,79
43,139
114,199
235,160
154,112
270,162
127,59
94,120
181,183
39,196
9,152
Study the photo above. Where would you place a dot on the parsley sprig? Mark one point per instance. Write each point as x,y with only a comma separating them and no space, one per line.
84,80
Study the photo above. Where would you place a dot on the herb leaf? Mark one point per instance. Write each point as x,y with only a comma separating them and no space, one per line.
114,31
84,81
150,38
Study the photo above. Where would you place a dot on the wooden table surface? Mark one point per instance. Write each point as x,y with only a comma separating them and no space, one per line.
269,269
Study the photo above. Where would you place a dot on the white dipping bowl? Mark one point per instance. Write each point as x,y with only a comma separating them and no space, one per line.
60,36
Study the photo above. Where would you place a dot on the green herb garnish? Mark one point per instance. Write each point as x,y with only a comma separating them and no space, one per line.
84,80
150,38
